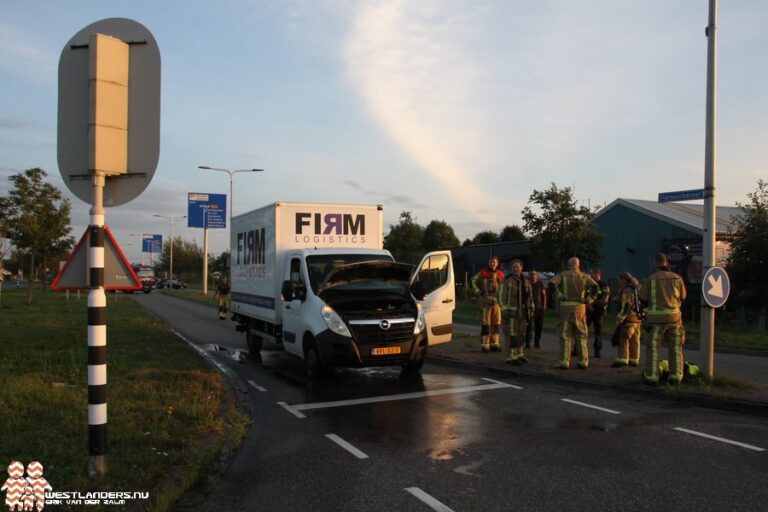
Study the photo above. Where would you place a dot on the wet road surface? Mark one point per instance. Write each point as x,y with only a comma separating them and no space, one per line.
448,439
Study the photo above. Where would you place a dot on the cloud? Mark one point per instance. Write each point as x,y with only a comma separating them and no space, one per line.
407,62
388,197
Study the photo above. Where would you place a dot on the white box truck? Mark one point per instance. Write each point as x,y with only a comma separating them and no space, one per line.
315,278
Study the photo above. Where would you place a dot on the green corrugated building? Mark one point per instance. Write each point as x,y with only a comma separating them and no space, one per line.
635,230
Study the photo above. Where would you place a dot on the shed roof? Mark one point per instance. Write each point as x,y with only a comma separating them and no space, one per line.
687,216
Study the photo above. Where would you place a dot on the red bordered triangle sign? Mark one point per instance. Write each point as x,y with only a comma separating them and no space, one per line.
118,272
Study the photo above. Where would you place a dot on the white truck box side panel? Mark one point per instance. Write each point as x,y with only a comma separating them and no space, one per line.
253,262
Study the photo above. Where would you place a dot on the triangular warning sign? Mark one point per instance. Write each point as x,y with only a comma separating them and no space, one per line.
118,273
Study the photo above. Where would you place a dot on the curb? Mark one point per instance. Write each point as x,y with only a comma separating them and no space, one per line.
692,399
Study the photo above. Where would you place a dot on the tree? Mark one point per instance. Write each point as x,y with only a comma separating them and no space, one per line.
219,263
513,233
486,237
36,219
439,235
404,239
187,258
561,228
749,253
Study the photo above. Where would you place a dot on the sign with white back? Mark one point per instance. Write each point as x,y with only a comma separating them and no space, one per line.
89,103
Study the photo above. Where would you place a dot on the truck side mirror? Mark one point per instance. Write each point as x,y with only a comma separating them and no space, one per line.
287,291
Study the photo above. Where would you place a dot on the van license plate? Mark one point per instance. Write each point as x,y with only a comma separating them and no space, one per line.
385,351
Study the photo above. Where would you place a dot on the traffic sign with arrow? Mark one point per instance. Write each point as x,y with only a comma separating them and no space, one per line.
715,287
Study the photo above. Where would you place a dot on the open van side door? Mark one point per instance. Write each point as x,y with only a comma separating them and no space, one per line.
435,275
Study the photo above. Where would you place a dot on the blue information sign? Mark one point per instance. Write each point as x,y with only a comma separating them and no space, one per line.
681,195
715,287
152,243
207,210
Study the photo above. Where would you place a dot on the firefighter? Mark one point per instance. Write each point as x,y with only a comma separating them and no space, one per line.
540,303
516,301
575,290
485,285
596,311
223,293
664,293
628,322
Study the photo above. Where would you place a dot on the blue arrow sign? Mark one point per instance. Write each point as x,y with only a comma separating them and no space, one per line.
152,243
681,195
207,210
715,287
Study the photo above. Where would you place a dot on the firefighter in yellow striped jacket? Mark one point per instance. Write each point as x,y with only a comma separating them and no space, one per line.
485,285
516,301
664,293
575,290
628,322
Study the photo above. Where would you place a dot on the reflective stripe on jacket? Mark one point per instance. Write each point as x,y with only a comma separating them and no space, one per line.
486,283
516,296
574,289
664,291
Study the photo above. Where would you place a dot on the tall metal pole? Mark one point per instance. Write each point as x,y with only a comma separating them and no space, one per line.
707,340
97,336
171,276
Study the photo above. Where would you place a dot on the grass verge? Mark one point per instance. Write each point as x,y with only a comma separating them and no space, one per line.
170,414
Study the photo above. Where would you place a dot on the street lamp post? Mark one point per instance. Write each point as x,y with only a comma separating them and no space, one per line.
231,173
172,219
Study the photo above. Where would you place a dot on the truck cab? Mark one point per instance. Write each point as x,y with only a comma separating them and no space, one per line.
355,308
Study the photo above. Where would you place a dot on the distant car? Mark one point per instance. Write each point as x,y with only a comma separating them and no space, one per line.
161,283
176,284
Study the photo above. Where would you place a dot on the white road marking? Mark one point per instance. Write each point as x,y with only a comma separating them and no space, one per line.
391,398
351,449
260,388
721,439
428,500
291,409
590,406
499,382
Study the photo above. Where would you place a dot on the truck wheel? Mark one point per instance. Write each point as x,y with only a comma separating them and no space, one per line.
415,366
312,362
254,344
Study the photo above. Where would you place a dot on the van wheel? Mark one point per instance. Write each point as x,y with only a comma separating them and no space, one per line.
254,344
415,366
312,362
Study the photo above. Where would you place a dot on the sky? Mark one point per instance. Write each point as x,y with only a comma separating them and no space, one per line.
455,110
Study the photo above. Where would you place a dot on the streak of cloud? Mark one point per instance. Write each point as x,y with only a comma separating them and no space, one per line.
415,78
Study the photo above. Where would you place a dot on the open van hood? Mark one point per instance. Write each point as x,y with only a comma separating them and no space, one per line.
378,270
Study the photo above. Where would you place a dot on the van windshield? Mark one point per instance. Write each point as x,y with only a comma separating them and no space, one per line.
321,266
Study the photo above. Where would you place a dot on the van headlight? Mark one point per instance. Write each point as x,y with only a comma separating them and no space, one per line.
334,321
421,323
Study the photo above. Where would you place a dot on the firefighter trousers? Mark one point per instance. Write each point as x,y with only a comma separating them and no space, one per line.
673,335
629,344
573,329
490,325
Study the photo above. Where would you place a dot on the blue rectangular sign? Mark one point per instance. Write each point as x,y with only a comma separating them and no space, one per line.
207,210
681,195
152,243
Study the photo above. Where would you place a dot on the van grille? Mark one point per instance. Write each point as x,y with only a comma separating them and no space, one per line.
373,333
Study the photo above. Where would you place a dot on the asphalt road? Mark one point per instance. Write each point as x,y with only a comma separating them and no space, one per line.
464,440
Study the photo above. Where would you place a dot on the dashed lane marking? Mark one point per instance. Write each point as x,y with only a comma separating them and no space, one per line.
721,439
254,385
351,449
425,498
611,411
